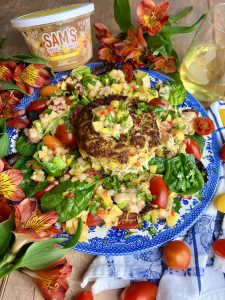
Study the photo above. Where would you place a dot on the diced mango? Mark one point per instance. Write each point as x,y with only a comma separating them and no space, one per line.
171,220
98,125
153,169
180,136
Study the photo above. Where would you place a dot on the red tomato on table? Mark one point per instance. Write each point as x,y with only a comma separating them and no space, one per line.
177,255
142,290
192,148
158,188
86,295
219,247
203,125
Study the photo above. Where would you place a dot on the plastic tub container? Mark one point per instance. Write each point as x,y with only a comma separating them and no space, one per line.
60,35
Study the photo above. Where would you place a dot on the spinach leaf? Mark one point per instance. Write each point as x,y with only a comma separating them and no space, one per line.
122,14
27,183
182,175
34,188
54,167
29,59
69,199
24,148
160,162
199,139
4,139
20,162
6,228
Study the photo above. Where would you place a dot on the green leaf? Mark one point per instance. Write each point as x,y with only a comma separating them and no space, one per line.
27,183
80,195
173,92
4,139
173,30
10,86
160,162
42,254
6,269
24,148
30,59
21,161
5,229
183,13
75,239
176,204
122,14
182,175
2,42
36,188
54,167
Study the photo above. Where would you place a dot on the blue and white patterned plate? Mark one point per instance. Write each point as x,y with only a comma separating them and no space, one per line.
117,242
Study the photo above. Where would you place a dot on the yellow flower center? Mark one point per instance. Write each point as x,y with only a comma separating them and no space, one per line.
47,283
6,187
151,21
30,74
37,223
3,71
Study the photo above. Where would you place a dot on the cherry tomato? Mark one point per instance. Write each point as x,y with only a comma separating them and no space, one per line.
49,90
48,188
222,153
51,142
177,255
94,220
38,106
127,69
86,295
203,125
158,102
142,290
64,135
192,148
159,189
128,221
219,247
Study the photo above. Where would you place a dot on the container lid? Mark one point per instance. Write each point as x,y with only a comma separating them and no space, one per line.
53,15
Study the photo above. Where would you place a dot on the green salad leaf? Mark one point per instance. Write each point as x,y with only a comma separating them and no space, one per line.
54,167
68,199
160,162
173,92
6,228
4,139
182,175
24,148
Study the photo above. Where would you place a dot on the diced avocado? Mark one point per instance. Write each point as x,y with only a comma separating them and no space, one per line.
82,70
57,161
142,78
38,126
146,217
122,204
115,103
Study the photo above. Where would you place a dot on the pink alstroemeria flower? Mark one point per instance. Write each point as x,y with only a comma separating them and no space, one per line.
152,17
52,281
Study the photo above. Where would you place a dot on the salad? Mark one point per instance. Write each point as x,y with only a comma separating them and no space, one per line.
111,151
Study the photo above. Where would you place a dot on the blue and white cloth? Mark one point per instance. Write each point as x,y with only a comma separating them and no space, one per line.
203,280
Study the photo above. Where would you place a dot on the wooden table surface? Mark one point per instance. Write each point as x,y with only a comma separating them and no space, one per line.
17,286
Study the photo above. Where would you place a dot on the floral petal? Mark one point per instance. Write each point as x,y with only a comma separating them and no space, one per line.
23,211
5,210
8,184
52,281
1,165
5,73
102,31
140,38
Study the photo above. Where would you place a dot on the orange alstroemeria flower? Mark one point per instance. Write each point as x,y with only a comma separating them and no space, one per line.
102,31
52,281
32,225
31,76
164,65
152,17
9,181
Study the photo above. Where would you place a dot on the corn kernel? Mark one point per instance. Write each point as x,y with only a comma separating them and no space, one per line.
50,178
